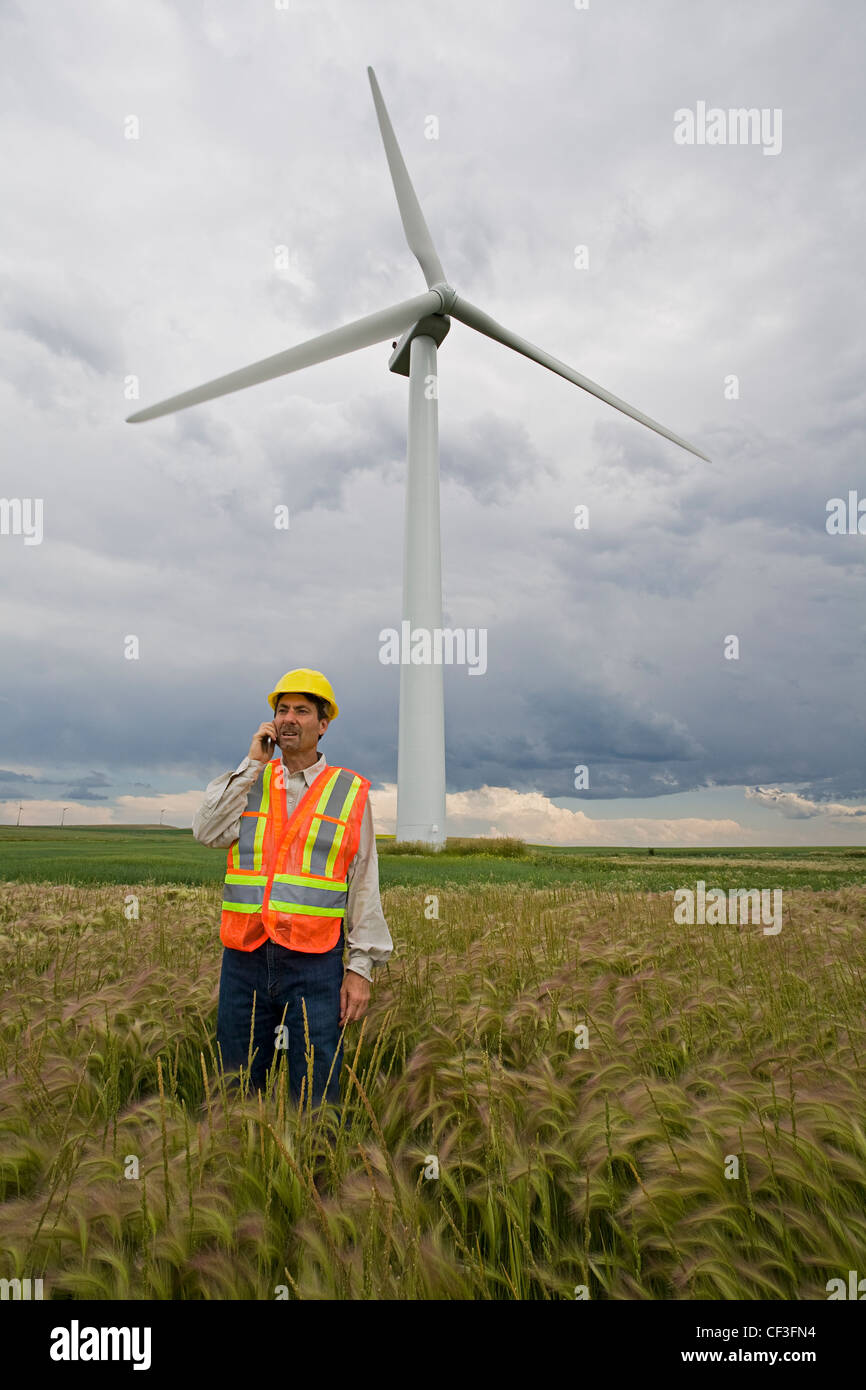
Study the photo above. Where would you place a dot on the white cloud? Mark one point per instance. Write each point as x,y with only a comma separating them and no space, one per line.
485,811
796,807
180,807
532,816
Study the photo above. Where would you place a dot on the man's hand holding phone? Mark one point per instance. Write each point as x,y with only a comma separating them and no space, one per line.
264,741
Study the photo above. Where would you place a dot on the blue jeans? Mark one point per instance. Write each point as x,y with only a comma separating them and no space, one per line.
280,979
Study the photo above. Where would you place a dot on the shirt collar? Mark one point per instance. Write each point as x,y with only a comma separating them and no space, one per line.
312,772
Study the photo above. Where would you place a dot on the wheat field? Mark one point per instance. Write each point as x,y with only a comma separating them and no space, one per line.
556,1093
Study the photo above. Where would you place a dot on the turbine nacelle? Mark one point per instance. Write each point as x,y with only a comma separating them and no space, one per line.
433,326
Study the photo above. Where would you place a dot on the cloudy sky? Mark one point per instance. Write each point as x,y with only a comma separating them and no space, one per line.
157,157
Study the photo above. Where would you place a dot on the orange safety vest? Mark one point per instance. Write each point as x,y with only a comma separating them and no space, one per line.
287,877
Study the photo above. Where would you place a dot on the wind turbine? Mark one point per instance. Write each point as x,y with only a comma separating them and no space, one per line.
423,323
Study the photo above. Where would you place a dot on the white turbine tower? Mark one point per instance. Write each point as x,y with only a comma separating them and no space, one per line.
423,323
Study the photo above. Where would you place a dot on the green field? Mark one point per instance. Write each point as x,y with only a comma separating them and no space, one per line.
134,854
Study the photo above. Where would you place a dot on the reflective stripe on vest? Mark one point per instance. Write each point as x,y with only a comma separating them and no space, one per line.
293,893
244,892
326,835
246,852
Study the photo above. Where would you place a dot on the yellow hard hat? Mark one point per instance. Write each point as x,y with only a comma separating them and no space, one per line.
304,680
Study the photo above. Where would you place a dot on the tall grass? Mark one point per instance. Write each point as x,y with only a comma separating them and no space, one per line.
558,1166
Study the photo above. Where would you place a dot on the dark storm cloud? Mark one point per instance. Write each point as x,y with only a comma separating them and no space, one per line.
82,792
14,779
491,456
624,747
23,786
84,788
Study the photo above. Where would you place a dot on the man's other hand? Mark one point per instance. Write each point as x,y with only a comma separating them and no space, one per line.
354,997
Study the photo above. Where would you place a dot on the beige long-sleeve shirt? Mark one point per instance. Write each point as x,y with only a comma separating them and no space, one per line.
217,824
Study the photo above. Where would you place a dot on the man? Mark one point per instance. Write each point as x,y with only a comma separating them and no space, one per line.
301,879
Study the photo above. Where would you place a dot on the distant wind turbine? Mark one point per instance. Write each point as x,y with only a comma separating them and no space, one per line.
423,322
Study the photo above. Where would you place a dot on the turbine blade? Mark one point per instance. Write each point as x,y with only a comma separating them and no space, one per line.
476,318
416,229
336,343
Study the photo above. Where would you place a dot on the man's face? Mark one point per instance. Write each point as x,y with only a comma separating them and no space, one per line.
297,724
